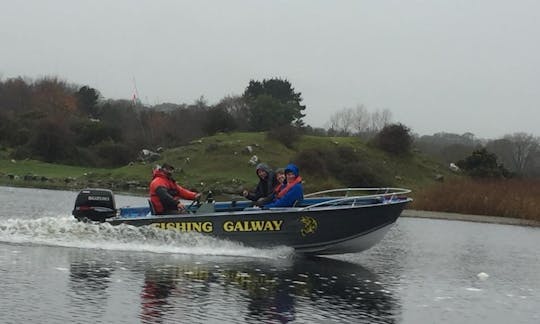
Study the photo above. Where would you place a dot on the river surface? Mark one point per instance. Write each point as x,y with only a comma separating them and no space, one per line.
56,270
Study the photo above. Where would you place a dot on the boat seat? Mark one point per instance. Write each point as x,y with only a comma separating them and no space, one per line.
152,208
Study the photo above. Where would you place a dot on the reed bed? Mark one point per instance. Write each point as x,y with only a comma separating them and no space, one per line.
516,198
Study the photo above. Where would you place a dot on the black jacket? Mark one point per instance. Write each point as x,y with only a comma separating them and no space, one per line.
265,187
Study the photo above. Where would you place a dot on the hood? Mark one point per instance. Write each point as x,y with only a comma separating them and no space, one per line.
293,168
263,166
159,173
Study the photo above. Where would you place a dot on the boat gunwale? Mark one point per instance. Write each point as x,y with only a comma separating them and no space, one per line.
324,206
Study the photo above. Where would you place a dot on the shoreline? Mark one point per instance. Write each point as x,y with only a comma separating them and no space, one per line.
409,213
469,218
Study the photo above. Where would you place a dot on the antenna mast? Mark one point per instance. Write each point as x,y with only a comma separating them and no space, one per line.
136,97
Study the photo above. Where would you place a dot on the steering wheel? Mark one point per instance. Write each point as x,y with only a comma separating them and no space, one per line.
195,202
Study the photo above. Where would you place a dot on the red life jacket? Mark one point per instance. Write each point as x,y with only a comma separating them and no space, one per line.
160,179
288,187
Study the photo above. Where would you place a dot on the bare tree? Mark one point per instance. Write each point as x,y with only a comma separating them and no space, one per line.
503,148
360,119
333,123
379,119
341,122
524,147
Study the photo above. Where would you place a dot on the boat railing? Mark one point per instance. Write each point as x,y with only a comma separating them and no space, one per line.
353,196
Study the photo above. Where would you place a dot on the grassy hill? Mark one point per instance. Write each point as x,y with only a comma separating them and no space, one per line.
221,163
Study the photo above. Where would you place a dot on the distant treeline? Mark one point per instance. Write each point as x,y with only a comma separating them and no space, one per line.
53,121
517,152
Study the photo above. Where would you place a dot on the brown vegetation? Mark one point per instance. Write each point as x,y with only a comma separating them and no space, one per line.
518,198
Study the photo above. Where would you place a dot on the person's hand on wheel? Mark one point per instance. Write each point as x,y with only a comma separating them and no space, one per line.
181,207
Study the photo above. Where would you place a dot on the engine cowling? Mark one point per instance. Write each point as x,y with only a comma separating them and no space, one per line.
94,205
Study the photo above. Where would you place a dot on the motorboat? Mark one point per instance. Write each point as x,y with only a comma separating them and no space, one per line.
336,221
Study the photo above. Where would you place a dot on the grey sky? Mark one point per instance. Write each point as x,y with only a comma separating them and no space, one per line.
438,65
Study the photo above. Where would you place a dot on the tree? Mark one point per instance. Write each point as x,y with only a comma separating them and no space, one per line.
455,152
89,133
448,147
503,148
201,103
341,122
218,120
267,113
519,152
52,142
275,100
54,96
359,121
394,139
524,146
238,109
113,154
15,95
87,99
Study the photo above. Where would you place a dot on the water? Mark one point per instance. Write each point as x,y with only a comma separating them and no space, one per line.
54,270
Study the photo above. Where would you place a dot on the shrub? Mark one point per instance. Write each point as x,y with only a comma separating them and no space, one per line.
113,154
313,161
483,164
357,174
394,138
89,133
343,163
21,153
218,120
87,157
52,142
286,135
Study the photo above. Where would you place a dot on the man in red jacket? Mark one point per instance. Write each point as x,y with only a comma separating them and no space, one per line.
165,193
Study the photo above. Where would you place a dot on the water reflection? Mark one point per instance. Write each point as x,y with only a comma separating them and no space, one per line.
155,293
90,276
89,281
224,289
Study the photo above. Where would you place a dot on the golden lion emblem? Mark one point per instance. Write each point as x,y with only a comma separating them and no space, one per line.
310,225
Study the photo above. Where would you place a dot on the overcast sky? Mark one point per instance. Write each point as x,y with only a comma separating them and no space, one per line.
438,65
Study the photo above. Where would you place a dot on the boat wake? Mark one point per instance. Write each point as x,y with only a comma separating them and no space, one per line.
65,231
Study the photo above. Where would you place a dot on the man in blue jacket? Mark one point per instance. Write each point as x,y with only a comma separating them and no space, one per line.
292,192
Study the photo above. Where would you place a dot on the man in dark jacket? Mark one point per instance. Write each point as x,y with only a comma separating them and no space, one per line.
264,192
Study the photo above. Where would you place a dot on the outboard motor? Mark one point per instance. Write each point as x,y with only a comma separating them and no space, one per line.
94,205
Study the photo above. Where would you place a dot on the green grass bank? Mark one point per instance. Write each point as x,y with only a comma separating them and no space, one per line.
221,163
